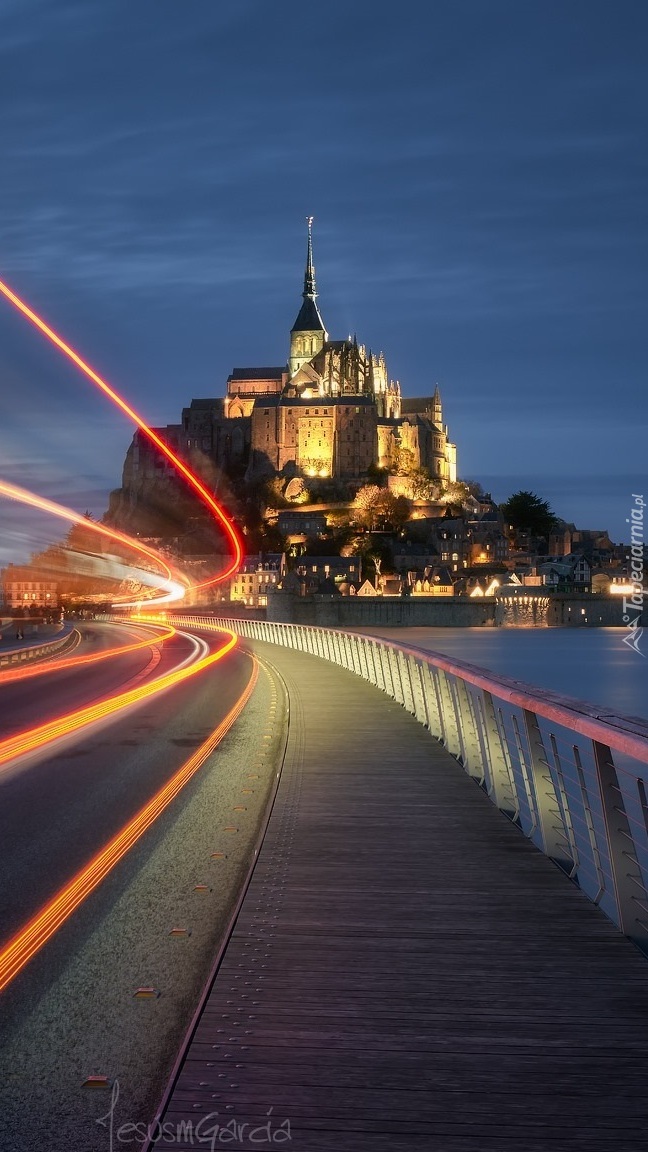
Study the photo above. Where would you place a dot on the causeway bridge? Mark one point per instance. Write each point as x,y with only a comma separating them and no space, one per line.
442,943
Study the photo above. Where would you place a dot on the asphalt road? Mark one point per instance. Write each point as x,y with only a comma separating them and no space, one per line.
63,805
71,1011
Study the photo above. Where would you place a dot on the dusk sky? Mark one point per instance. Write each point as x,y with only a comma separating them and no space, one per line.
477,174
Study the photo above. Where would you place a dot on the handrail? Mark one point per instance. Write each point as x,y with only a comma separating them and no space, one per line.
584,718
545,760
31,651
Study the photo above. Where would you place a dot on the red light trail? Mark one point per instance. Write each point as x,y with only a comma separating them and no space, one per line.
24,496
122,404
31,938
33,739
62,663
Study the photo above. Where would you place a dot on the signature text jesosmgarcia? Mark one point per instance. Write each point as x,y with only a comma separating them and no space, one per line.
211,1131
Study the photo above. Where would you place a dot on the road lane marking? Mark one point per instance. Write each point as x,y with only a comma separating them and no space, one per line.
58,665
34,738
35,934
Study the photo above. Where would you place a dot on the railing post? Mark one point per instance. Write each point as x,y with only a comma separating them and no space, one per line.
386,671
430,700
623,859
397,683
416,676
447,713
411,680
364,662
337,648
470,750
371,661
501,787
552,835
563,800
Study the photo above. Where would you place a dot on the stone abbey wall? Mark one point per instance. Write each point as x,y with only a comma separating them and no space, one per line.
436,612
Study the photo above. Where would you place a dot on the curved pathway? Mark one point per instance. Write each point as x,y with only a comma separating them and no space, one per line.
406,971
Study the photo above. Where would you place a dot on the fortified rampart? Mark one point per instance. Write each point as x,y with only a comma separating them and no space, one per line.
553,611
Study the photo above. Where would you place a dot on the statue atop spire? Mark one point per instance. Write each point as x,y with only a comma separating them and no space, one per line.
310,291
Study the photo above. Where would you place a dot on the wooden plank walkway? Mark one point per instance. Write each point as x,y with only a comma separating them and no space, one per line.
407,972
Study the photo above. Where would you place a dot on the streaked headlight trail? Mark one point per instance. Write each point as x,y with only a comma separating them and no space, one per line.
30,939
62,663
171,587
206,497
44,734
164,586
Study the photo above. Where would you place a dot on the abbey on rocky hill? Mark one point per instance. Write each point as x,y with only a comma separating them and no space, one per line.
331,411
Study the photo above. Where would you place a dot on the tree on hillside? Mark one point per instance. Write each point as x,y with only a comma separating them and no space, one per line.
526,512
423,486
367,506
374,506
455,492
397,511
476,489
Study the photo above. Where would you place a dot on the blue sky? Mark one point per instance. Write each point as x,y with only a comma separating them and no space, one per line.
477,173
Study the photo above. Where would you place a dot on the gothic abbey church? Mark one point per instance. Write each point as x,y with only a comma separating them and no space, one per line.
332,411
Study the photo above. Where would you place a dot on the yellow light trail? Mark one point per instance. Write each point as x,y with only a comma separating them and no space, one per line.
34,738
60,664
24,496
31,938
118,400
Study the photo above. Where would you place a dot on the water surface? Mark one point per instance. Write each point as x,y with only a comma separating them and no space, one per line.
589,663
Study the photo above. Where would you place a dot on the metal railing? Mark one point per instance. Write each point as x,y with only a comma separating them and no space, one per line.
36,648
574,780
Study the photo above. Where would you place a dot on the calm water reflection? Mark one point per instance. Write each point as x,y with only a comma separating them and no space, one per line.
591,664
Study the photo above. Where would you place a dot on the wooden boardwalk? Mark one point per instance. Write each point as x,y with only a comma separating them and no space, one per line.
407,972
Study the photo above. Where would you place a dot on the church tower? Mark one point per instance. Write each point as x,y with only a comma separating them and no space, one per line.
308,334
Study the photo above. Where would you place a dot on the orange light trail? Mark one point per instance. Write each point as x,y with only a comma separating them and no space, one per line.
31,938
56,664
118,400
34,738
24,496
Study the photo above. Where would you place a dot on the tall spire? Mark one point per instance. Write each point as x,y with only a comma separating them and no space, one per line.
308,334
310,292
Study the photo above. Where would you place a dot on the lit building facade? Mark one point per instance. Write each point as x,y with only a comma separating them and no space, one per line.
24,587
331,410
257,578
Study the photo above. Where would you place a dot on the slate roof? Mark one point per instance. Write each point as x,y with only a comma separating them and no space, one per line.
308,319
257,373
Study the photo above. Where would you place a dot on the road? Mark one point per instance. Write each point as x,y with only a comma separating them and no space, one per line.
66,803
71,1011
